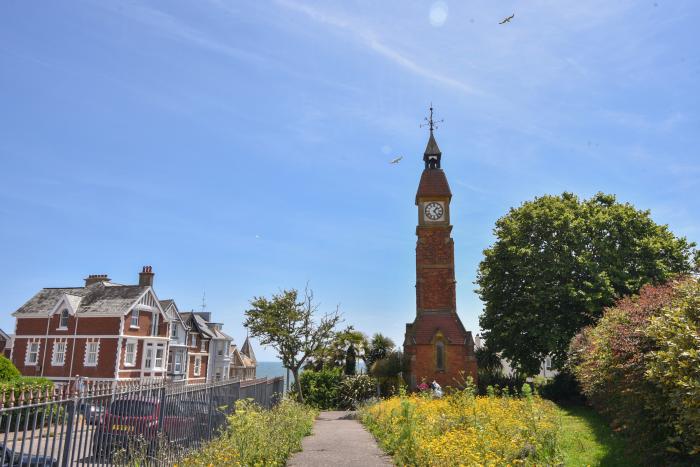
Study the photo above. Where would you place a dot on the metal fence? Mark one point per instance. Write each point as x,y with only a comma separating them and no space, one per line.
144,423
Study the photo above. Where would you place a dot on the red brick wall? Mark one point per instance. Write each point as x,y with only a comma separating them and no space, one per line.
435,279
105,358
423,364
202,371
86,325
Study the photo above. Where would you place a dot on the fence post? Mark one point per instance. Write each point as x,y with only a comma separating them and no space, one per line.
68,441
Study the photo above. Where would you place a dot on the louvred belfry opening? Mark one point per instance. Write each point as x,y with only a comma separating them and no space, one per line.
436,345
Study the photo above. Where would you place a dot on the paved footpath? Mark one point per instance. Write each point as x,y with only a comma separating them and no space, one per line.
337,440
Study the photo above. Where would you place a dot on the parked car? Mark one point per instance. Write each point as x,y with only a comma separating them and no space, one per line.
14,459
135,420
92,412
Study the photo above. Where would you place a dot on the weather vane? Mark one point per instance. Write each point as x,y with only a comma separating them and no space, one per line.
432,124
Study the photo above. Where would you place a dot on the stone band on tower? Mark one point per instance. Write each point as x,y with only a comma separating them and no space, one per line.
436,345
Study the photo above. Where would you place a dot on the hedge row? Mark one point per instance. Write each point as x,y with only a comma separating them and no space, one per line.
640,365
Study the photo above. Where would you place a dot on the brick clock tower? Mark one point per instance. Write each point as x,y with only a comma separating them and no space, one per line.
436,345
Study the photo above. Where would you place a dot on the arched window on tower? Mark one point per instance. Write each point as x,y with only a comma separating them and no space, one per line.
440,355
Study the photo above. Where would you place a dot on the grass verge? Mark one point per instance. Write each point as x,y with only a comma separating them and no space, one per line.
586,439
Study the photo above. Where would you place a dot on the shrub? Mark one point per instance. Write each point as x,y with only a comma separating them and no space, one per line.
7,370
562,388
25,384
497,380
640,366
674,365
320,388
461,429
255,436
354,390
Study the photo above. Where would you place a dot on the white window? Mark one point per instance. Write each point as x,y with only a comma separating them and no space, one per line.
197,365
32,356
154,324
130,353
548,363
58,357
174,332
134,318
148,362
178,362
159,358
193,340
202,346
92,349
63,323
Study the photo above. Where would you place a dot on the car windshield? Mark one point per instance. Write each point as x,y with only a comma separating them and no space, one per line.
132,408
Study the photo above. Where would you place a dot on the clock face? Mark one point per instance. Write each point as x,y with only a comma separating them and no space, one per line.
434,211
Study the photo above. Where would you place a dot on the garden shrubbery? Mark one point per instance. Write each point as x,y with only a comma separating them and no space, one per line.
256,436
329,389
640,366
463,429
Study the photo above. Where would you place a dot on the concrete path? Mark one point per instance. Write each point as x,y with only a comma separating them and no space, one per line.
338,440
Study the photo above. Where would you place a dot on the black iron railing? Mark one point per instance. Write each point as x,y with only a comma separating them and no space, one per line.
144,423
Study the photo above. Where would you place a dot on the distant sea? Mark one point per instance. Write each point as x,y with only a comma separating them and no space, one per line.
272,369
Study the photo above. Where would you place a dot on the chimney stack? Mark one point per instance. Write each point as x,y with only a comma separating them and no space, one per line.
95,278
146,277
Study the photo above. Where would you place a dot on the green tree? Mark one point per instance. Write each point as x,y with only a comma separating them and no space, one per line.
334,354
558,261
7,370
286,323
379,347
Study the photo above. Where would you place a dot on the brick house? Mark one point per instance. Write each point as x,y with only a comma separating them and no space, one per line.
102,330
198,342
436,344
177,353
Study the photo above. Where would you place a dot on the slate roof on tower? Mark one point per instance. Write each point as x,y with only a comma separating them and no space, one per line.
433,183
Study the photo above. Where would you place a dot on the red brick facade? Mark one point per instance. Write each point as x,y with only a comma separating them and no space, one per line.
436,345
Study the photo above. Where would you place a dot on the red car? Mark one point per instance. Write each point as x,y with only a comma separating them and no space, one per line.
134,420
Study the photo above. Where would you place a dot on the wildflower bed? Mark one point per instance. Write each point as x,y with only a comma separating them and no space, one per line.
462,429
258,437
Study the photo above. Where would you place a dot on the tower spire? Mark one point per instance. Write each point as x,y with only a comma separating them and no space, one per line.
432,154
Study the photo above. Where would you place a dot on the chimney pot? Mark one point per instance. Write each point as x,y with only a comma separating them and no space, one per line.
95,278
146,276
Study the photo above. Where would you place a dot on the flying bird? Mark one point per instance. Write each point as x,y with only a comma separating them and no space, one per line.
396,161
507,20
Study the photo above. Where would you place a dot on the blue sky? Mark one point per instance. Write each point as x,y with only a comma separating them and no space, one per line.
243,147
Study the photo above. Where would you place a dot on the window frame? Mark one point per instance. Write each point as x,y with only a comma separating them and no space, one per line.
88,353
130,362
27,361
64,314
158,349
55,353
440,355
135,314
197,366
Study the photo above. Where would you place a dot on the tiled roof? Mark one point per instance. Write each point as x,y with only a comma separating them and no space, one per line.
247,349
97,298
428,324
433,183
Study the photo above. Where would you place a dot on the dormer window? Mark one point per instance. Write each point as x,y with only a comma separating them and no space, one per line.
174,332
63,323
134,318
193,340
154,324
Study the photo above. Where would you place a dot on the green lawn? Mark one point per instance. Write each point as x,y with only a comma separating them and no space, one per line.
586,439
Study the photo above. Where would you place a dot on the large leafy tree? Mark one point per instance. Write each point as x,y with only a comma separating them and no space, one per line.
558,261
378,348
334,354
286,322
